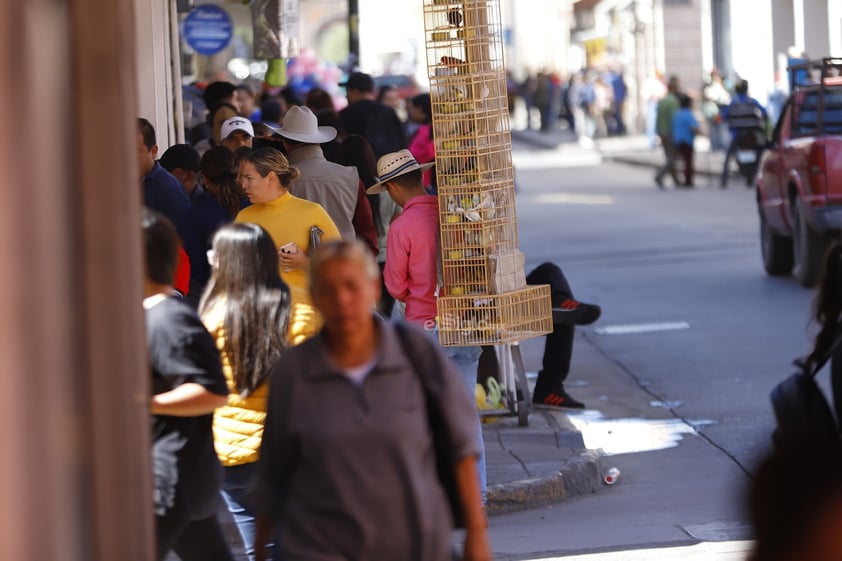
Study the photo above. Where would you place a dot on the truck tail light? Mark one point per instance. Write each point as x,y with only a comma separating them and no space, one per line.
816,160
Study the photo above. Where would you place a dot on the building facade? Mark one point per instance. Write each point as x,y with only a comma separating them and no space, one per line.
745,39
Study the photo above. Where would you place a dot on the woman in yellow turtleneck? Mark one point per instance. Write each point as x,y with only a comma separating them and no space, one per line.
266,176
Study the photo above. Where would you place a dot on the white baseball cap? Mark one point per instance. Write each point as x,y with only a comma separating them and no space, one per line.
236,124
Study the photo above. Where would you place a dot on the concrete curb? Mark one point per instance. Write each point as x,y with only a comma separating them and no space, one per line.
546,141
637,162
579,475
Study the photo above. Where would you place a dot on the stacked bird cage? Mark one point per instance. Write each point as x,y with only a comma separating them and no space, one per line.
485,299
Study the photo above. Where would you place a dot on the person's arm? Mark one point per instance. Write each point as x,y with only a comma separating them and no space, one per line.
187,400
477,547
762,109
186,366
363,221
264,527
299,258
396,270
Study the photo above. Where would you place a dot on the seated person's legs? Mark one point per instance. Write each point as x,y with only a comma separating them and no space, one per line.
558,348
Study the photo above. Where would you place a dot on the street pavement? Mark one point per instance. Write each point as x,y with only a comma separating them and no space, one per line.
634,150
548,462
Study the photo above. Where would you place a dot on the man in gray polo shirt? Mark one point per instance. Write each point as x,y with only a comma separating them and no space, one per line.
337,188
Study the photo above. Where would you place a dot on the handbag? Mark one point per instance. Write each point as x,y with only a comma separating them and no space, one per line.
802,411
316,234
442,444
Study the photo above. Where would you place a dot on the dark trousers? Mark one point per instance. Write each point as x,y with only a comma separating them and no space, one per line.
686,151
387,302
558,347
729,155
200,540
670,153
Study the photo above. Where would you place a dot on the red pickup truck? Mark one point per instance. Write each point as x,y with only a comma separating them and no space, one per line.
799,183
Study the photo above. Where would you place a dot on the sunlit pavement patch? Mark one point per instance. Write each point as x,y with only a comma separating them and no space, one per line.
705,551
570,199
555,159
625,436
633,328
666,404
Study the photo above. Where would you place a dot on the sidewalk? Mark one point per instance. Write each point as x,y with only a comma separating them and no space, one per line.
631,150
543,463
527,467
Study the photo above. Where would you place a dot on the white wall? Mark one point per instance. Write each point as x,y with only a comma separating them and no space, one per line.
752,45
834,19
153,63
816,28
540,31
541,35
392,26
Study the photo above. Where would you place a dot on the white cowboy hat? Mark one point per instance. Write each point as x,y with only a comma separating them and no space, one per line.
394,165
301,125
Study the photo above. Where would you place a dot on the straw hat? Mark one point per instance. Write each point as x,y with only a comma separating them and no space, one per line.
394,165
301,125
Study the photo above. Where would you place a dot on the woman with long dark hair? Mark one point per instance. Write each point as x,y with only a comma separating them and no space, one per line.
246,308
219,169
827,313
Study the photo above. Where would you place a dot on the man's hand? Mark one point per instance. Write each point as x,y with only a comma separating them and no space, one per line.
476,546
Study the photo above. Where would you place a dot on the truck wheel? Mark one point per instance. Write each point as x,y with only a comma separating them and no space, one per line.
809,248
776,250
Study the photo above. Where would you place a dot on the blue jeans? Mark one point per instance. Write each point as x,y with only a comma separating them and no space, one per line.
466,360
235,491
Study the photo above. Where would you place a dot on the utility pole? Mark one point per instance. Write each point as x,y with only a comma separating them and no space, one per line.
353,35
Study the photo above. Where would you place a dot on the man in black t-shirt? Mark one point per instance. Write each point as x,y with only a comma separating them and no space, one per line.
367,117
187,385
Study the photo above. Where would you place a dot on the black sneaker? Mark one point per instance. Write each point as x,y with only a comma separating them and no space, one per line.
573,312
557,400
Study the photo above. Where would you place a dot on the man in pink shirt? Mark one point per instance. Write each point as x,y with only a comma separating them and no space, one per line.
411,267
412,253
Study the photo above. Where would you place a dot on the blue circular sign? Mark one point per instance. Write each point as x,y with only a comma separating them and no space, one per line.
208,29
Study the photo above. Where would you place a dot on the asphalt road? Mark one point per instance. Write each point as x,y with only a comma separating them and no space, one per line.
693,337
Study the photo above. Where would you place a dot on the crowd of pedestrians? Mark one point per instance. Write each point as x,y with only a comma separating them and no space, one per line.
590,102
671,119
236,221
272,240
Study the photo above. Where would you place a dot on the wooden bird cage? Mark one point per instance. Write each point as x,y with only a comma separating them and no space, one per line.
485,299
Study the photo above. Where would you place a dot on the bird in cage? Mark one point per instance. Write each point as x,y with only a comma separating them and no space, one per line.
454,17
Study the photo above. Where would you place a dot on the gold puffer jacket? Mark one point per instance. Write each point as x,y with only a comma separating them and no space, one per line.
238,426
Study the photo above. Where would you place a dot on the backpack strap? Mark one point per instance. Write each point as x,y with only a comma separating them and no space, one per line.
445,462
825,357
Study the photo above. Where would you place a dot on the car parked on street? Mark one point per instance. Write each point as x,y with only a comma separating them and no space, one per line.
799,183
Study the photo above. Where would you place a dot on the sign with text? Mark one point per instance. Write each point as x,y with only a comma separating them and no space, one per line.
208,29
